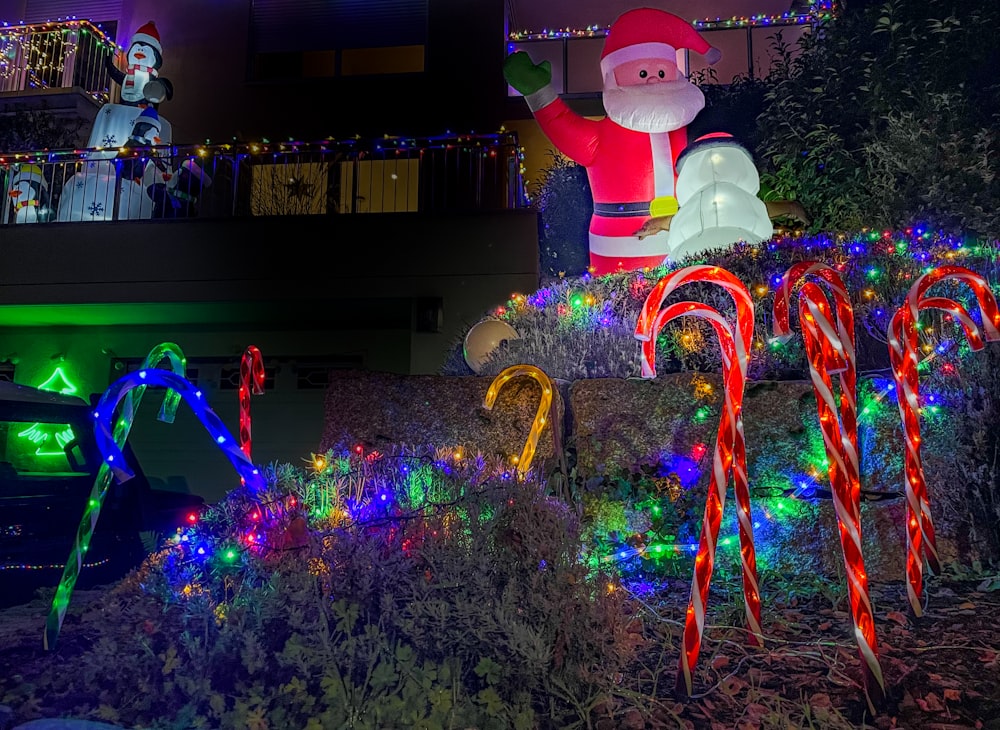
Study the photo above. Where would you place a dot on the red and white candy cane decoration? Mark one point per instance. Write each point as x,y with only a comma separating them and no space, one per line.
729,456
825,352
730,451
842,342
252,378
700,273
919,526
904,341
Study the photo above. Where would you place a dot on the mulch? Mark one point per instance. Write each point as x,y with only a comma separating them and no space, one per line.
941,671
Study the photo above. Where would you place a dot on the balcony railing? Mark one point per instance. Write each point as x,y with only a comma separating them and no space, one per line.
55,55
469,172
746,45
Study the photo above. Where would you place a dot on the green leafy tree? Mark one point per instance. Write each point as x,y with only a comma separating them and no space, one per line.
888,115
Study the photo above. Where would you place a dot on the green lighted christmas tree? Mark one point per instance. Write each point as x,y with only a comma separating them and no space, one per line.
49,438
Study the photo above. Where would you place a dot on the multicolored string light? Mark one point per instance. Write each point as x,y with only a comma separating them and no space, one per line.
60,602
818,10
903,338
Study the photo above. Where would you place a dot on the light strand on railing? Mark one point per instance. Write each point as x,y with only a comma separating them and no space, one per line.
818,10
485,144
35,54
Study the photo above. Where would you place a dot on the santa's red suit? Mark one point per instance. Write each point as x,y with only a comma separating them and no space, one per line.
622,202
632,156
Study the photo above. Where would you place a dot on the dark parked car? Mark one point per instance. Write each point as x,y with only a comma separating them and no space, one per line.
49,464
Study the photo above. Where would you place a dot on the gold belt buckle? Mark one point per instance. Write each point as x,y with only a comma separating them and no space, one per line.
664,205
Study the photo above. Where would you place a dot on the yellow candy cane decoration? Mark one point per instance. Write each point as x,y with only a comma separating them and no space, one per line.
544,407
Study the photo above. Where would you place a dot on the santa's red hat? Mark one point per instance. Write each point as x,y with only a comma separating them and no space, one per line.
651,33
149,35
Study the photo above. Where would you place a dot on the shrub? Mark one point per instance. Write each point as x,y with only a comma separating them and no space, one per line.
564,204
443,605
886,116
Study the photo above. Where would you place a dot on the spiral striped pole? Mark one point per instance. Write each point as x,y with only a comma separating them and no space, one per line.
824,356
919,525
991,323
842,340
734,386
729,457
60,601
730,452
252,377
830,349
701,273
112,452
904,341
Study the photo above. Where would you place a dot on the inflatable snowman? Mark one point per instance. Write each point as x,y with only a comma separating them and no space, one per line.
29,195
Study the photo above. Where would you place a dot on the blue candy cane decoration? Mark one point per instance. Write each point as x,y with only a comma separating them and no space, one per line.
115,459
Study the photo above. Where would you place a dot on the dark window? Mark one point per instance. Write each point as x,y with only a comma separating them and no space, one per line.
312,377
287,39
229,379
277,66
99,12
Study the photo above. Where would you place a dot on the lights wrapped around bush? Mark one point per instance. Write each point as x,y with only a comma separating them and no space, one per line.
582,326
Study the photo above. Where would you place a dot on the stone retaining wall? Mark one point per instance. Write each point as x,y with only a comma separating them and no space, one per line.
614,424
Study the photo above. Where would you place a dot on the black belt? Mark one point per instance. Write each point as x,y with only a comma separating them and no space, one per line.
622,210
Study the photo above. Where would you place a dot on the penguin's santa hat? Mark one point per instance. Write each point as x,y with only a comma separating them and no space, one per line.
149,35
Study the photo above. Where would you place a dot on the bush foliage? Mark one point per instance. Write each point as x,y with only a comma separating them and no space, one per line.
889,116
450,598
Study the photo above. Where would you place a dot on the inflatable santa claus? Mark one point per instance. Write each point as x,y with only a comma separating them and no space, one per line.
656,197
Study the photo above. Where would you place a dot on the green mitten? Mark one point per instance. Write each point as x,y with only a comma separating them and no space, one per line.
524,75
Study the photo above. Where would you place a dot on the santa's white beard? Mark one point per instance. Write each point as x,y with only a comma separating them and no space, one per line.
658,107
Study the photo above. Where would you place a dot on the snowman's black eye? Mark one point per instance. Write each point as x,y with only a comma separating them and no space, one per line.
662,73
643,74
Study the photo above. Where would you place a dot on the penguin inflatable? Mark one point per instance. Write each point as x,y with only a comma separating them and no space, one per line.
142,87
177,197
141,83
145,133
29,195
